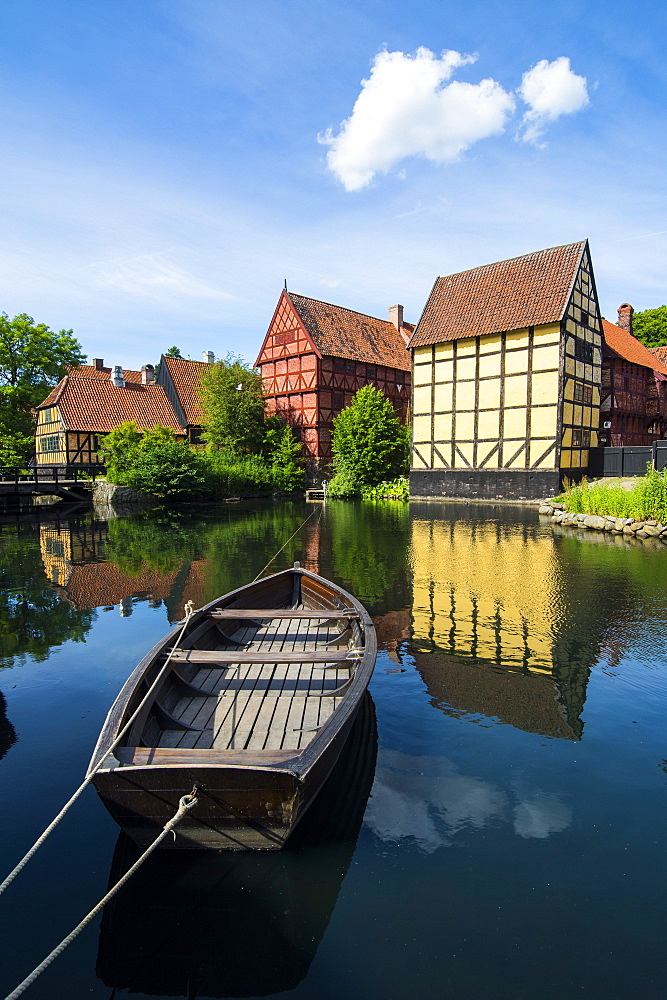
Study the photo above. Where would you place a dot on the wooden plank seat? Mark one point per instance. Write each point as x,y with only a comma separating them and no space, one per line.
178,756
265,656
262,613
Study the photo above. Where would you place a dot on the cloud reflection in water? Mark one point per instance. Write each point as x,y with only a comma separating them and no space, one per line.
424,800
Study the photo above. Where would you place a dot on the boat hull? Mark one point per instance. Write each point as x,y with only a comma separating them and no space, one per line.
248,798
239,808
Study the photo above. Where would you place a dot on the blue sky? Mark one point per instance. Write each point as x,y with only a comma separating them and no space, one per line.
167,164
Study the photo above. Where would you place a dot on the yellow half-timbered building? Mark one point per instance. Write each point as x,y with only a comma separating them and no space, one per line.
506,377
91,401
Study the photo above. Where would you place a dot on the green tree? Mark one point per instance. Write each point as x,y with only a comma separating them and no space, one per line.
118,450
233,405
369,443
650,326
33,358
287,471
173,352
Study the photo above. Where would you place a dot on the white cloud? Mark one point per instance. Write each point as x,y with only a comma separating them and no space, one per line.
404,109
550,89
407,108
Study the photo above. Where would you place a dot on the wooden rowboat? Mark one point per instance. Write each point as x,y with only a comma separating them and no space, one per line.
180,927
252,709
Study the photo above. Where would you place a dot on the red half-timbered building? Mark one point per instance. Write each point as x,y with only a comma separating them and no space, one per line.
633,404
316,356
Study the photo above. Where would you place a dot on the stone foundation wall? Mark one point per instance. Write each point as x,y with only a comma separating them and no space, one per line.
484,484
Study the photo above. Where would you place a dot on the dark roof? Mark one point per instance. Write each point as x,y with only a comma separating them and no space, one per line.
509,295
628,347
96,405
344,333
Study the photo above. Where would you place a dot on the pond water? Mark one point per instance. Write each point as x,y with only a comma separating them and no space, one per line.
513,842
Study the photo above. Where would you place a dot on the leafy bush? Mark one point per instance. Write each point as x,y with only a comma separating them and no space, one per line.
169,469
155,461
396,489
232,474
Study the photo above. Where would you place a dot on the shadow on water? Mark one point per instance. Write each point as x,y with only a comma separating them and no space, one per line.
207,924
8,735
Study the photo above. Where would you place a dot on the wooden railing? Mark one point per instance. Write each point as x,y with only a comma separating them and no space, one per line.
63,475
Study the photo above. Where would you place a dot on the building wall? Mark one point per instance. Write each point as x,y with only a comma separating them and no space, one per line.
633,401
50,438
525,399
309,391
582,374
54,445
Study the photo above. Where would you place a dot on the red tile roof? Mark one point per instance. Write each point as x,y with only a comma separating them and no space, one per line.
628,347
186,376
90,371
509,295
344,333
660,353
94,405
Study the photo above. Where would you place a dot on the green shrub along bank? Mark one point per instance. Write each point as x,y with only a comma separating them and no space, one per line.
647,500
156,462
396,489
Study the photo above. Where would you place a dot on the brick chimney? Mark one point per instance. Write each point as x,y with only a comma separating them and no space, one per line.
147,374
117,377
209,357
396,316
99,364
625,312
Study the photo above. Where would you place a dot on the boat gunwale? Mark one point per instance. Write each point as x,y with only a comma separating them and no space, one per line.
303,759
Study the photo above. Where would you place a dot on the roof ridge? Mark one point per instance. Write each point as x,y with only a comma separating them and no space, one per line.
511,260
344,308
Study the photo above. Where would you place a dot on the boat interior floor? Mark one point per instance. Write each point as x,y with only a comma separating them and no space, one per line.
256,705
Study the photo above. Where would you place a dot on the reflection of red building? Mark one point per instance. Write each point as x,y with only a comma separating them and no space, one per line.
633,407
314,358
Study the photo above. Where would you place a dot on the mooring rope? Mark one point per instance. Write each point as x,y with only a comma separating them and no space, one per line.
286,544
186,803
89,777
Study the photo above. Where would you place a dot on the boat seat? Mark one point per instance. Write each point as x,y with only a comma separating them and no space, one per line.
213,656
263,613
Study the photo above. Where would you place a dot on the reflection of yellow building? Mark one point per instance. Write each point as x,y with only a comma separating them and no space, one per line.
63,547
506,377
488,618
480,599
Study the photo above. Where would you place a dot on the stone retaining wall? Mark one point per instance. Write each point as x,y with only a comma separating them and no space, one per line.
115,500
598,522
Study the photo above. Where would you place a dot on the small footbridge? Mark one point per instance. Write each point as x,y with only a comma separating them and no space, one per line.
71,482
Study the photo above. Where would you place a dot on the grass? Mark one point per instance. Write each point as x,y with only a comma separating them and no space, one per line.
646,500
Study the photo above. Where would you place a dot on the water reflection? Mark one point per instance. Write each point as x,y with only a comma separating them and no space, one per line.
497,630
33,618
427,801
205,924
486,602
